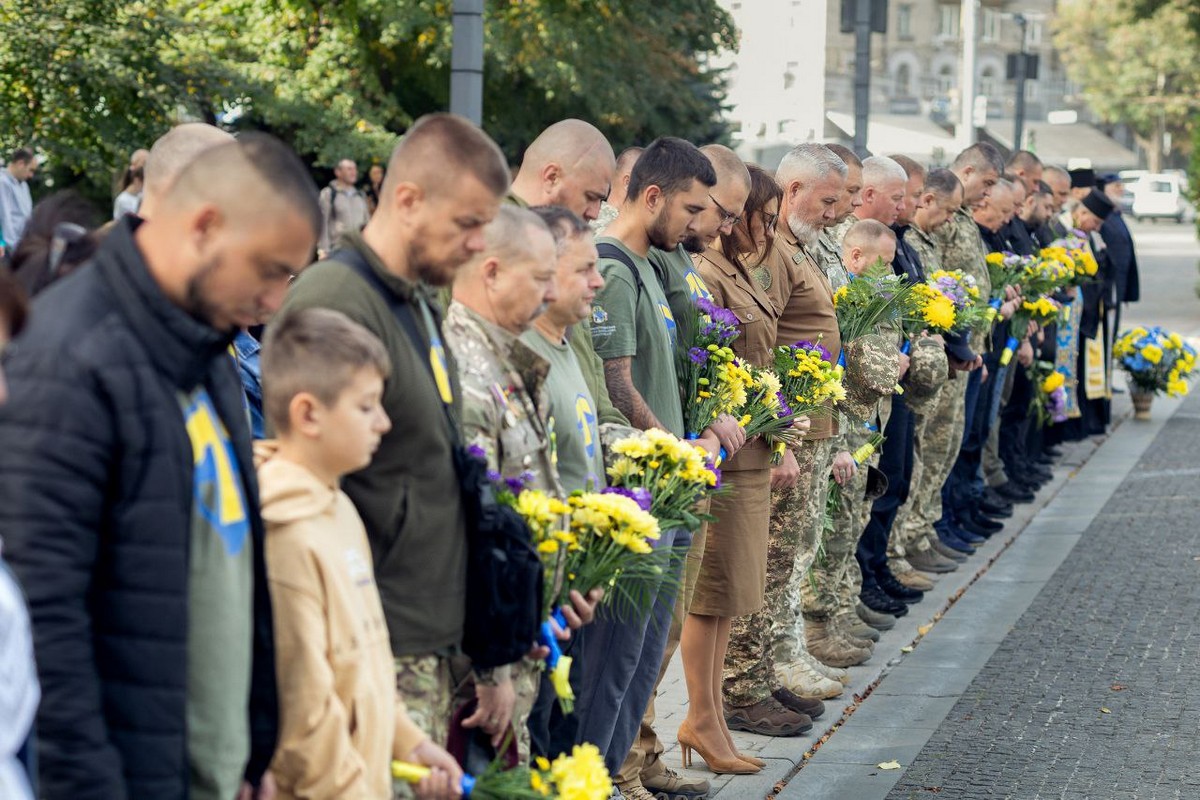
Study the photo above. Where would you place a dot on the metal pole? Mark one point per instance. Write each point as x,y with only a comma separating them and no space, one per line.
966,82
1019,107
862,74
466,61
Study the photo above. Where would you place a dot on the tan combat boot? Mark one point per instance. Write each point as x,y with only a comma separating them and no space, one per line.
849,622
915,580
829,648
803,679
836,626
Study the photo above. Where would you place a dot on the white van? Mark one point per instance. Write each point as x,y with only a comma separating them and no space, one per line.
1159,195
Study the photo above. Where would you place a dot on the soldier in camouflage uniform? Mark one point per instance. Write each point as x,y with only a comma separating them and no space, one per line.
505,407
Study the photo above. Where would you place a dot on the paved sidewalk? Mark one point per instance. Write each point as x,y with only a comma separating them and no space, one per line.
909,694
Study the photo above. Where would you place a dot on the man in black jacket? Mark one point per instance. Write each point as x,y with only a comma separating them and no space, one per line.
127,490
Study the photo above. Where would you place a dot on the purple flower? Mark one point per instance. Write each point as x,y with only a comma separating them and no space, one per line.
478,452
494,476
1056,405
698,355
518,484
784,409
640,495
715,471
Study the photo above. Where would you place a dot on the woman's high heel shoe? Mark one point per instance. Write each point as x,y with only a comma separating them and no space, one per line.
689,742
758,762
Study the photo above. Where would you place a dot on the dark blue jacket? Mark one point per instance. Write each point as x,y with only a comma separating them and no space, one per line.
1122,258
907,262
96,504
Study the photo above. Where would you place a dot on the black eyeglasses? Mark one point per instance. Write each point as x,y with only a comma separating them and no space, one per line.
726,217
769,220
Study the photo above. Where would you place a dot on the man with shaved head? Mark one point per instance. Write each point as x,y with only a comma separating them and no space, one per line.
156,661
173,151
570,164
444,184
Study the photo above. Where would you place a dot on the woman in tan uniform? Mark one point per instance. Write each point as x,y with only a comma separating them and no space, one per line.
733,570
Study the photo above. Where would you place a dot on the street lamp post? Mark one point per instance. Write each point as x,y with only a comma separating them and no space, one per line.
1021,76
466,60
862,74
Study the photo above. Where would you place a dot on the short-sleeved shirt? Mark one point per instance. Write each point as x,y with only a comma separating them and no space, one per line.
683,286
802,293
220,609
631,318
733,287
574,421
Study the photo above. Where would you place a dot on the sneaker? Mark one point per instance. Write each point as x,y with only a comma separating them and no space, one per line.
810,707
803,679
874,599
896,590
930,561
878,621
767,718
670,785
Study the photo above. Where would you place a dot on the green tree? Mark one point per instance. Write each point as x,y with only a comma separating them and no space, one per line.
84,84
1143,71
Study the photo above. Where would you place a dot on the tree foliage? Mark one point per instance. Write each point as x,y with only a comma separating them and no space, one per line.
1143,71
96,78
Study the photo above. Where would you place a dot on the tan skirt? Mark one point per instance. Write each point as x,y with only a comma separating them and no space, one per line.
733,573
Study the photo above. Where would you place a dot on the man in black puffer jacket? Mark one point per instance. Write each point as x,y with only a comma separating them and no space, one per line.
127,492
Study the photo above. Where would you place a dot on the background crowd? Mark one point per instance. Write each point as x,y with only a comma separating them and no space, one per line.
246,561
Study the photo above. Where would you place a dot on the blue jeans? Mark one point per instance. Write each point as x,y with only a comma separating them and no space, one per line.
621,659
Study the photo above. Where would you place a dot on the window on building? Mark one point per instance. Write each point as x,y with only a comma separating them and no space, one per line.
948,21
987,82
945,79
989,25
903,81
1033,34
904,21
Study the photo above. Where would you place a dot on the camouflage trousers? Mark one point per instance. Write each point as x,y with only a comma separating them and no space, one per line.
760,640
937,436
645,757
434,687
835,579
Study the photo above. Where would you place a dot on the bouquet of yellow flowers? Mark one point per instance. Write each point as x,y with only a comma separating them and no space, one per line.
1073,254
714,381
1044,311
592,540
1157,361
580,775
928,309
1004,270
969,310
766,414
809,382
667,475
869,301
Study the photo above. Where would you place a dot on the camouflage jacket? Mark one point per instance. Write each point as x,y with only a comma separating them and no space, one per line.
838,232
961,247
828,255
504,406
872,367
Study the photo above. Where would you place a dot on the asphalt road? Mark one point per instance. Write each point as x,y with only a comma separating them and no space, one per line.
1169,268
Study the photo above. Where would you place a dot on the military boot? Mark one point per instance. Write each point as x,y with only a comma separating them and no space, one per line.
829,648
670,785
877,620
946,552
767,718
803,679
849,622
837,627
930,561
832,673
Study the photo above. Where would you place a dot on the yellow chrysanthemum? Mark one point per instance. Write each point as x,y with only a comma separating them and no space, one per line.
1152,353
939,311
581,775
1052,382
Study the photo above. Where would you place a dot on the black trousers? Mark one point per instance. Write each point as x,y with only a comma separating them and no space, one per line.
895,462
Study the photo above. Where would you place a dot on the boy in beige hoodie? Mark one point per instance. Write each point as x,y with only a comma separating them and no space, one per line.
341,719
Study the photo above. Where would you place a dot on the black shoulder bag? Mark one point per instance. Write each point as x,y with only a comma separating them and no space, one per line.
504,572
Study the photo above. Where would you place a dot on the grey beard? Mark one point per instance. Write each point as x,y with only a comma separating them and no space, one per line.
806,234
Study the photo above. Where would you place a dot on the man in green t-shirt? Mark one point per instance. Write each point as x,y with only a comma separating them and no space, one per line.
635,333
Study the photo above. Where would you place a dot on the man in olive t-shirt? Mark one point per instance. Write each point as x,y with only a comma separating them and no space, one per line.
635,333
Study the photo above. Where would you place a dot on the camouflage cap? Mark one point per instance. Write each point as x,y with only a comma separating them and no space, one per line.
927,371
872,364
